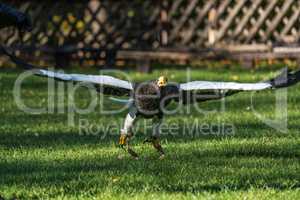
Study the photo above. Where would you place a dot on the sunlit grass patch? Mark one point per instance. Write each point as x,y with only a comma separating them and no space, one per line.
43,158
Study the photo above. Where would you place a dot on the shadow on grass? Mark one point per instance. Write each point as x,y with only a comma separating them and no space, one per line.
184,171
71,137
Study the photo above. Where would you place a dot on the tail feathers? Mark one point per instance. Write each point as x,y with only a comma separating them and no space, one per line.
16,60
285,79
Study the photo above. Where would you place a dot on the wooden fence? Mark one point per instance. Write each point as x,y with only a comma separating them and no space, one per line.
109,32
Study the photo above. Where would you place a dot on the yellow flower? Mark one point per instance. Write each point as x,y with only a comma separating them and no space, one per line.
71,18
80,24
65,26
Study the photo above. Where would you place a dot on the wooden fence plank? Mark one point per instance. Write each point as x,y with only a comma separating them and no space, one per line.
229,19
292,20
200,16
221,8
279,15
246,18
183,19
261,20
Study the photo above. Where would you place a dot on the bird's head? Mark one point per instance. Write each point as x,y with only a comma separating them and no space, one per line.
162,81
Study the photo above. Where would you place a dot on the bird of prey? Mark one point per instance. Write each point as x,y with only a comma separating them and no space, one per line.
149,98
11,17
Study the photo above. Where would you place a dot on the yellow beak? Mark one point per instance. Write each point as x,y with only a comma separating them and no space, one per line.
162,81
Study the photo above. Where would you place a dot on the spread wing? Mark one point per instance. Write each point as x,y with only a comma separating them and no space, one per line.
107,85
197,91
207,85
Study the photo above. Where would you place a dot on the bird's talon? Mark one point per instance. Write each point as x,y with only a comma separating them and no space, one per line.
122,140
123,144
156,144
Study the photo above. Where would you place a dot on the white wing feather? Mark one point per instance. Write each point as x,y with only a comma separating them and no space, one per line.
101,79
207,85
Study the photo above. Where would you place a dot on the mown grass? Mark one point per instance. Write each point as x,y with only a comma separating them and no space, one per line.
44,158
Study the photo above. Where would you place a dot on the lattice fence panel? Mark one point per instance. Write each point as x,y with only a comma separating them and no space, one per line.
108,25
96,24
235,22
259,21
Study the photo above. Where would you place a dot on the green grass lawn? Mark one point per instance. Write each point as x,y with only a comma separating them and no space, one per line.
44,158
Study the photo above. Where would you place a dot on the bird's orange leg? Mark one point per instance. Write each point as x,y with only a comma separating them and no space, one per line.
126,133
124,144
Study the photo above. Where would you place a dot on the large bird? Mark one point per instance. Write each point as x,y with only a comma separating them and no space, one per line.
149,99
11,17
